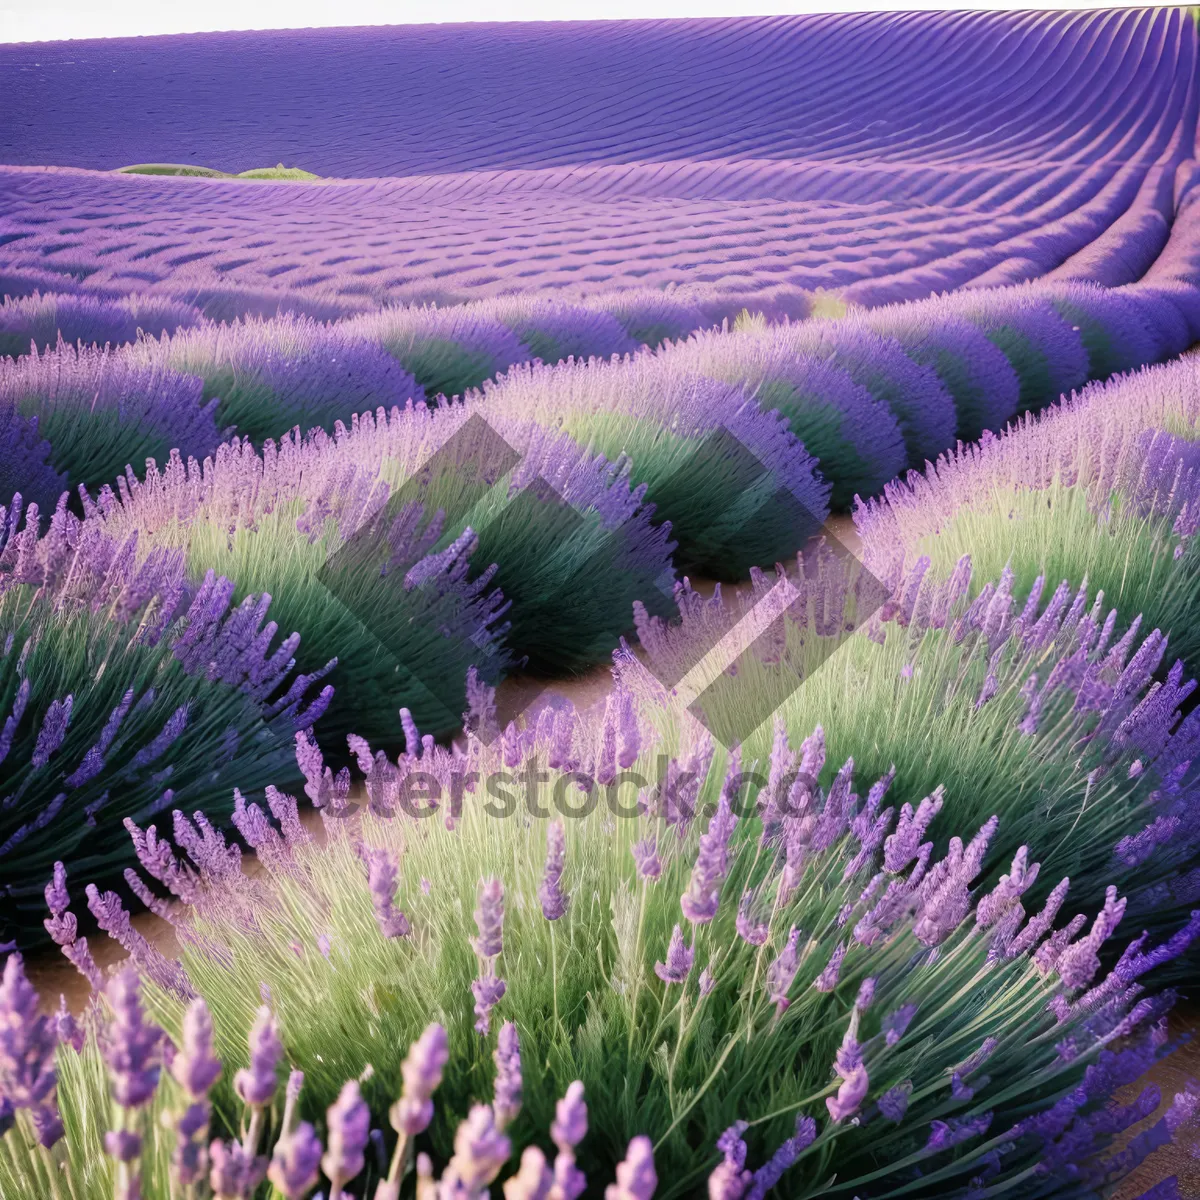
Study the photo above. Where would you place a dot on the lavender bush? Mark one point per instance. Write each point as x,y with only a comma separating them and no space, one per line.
972,368
769,990
1042,707
43,319
122,694
554,330
25,462
401,617
101,412
115,1107
447,350
267,377
923,408
854,436
1102,487
738,489
1046,351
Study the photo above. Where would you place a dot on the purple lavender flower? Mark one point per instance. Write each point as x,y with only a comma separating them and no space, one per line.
295,1164
195,1066
901,847
488,991
27,1043
828,978
506,1103
782,971
349,1122
679,960
421,1071
382,872
703,895
554,900
52,732
894,1102
256,1083
1078,964
750,928
480,1150
707,982
645,856
489,919
850,1095
636,1177
533,1180
122,1144
570,1123
567,1130
233,1173
766,1177
189,1160
131,1046
730,1179
944,1134
66,1028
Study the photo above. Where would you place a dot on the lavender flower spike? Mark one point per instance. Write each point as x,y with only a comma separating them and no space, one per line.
570,1123
27,1044
480,1151
509,1084
645,855
636,1178
195,1066
567,1130
489,919
349,1122
130,1045
679,960
296,1162
234,1174
256,1084
533,1181
554,900
782,971
703,895
850,1095
767,1176
382,872
422,1073
730,1178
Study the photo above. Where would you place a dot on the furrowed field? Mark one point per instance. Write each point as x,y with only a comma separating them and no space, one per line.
622,623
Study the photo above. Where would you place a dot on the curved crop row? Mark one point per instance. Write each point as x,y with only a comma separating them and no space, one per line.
42,320
890,156
1104,487
738,488
101,412
123,691
825,960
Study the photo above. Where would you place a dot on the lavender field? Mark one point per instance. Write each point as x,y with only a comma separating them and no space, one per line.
623,622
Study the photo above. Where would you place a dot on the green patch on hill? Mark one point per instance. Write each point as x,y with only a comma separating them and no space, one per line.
276,173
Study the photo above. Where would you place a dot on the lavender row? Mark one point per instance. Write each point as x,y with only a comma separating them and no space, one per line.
862,1059
123,691
42,320
1105,485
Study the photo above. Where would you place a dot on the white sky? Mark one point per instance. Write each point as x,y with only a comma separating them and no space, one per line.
52,20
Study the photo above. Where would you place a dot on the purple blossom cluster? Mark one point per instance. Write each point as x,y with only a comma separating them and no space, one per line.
737,486
102,413
43,319
82,749
270,376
